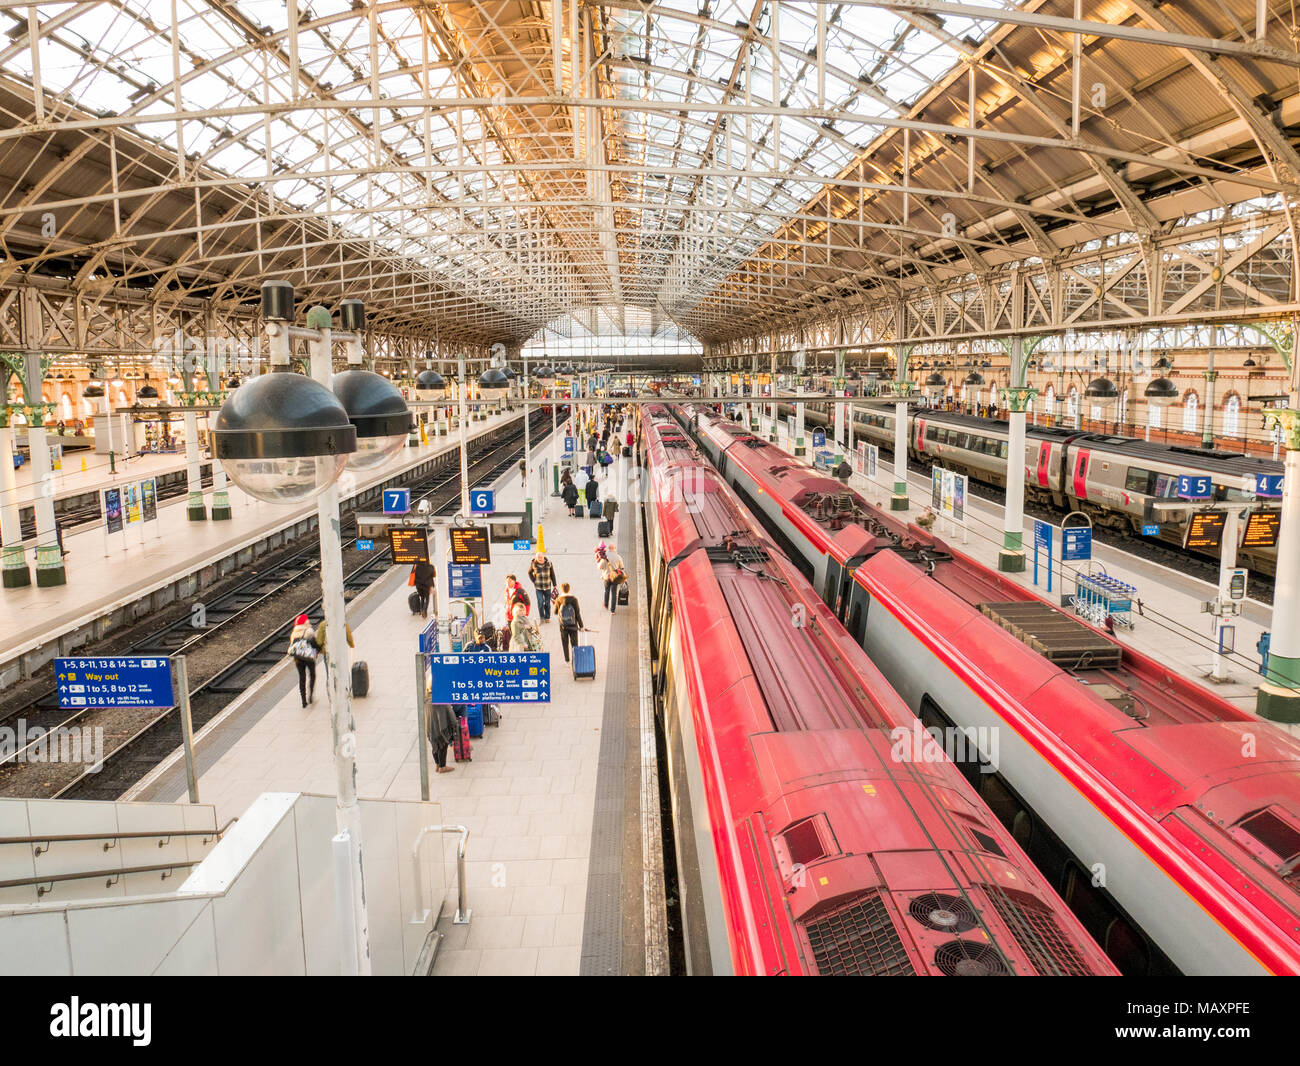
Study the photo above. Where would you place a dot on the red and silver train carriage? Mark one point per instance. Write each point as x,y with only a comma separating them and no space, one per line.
819,830
1166,817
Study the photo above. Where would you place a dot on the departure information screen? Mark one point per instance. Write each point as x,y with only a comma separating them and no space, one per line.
1262,528
469,546
1205,531
409,545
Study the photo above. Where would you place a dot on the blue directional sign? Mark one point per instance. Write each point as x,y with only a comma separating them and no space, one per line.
1269,486
133,681
1076,544
429,637
568,445
1150,531
466,581
1195,487
523,545
365,545
482,501
397,501
819,439
1042,535
491,677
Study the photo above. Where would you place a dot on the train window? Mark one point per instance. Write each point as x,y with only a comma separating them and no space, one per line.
860,604
1088,902
832,587
931,433
1001,802
1139,480
1126,949
961,440
1002,449
1023,829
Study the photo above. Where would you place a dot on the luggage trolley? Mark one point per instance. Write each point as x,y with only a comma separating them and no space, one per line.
1098,596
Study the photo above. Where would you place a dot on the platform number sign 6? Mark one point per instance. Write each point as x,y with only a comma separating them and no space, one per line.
482,501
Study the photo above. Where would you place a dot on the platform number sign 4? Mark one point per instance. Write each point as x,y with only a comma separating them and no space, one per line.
397,501
1269,486
482,501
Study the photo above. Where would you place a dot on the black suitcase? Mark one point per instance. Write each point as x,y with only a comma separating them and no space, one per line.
622,594
627,452
605,529
491,716
360,679
413,602
594,508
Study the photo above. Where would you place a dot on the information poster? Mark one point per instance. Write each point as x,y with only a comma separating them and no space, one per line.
132,504
113,510
936,488
149,499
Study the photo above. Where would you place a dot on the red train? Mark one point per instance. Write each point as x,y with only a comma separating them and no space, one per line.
819,829
1168,819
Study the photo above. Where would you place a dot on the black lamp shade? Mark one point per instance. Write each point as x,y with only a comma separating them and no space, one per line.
1101,389
147,392
974,378
277,301
352,315
92,392
430,379
282,416
936,380
372,403
1161,391
493,378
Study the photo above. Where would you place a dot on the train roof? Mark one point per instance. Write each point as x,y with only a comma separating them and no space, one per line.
1208,459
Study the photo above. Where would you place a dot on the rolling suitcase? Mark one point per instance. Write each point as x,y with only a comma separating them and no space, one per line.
627,452
594,508
605,529
413,602
474,716
461,748
491,716
360,679
584,661
622,594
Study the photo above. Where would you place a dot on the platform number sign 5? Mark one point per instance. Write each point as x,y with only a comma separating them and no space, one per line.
1195,487
482,501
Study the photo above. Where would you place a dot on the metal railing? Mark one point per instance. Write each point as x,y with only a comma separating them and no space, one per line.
112,876
164,838
462,910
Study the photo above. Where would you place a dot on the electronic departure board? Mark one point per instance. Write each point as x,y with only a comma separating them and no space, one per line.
409,545
1205,531
1262,528
469,546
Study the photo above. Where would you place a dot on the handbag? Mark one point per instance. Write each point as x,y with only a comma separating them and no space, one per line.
303,649
410,580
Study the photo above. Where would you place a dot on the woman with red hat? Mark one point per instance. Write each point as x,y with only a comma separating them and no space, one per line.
304,649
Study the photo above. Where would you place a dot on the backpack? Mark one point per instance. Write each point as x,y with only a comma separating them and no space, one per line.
520,596
304,649
568,614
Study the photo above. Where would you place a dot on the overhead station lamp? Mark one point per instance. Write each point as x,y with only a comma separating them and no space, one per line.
1161,392
430,385
936,380
973,378
379,414
1102,389
283,437
493,383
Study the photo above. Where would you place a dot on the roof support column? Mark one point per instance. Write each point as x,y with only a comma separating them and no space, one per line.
1279,695
899,500
1011,559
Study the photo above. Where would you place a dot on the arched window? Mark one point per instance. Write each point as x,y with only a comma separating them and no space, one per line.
1232,415
1049,400
1190,402
65,407
1072,406
122,401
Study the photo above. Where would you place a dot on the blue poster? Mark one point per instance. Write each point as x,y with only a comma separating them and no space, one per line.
114,682
113,510
1076,544
466,581
491,677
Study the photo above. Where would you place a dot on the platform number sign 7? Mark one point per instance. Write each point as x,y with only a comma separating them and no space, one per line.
482,501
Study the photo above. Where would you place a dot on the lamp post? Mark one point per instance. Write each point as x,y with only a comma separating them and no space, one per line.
285,438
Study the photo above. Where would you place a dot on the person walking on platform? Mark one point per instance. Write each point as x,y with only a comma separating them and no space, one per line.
570,616
425,575
444,728
569,494
515,596
608,513
320,643
612,573
590,465
542,574
303,649
591,490
522,635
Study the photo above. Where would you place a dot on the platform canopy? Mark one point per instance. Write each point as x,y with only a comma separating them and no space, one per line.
477,170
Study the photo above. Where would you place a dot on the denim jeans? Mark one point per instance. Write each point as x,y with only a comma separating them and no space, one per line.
611,595
543,602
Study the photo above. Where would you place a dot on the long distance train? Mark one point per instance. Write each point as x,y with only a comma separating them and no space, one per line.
1168,819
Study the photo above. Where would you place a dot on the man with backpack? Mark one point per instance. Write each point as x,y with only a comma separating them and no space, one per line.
570,616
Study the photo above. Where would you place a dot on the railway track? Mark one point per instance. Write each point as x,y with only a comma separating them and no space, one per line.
243,625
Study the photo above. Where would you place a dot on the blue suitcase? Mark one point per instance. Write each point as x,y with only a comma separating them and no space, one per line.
474,716
584,661
594,508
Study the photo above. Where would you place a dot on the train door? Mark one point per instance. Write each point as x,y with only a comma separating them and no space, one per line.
1081,474
1044,462
920,436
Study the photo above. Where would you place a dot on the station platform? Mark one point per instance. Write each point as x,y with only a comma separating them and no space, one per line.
106,573
71,480
550,798
1171,627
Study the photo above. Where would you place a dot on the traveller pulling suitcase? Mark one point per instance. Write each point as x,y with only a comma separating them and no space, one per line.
413,602
594,509
474,716
360,679
584,661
